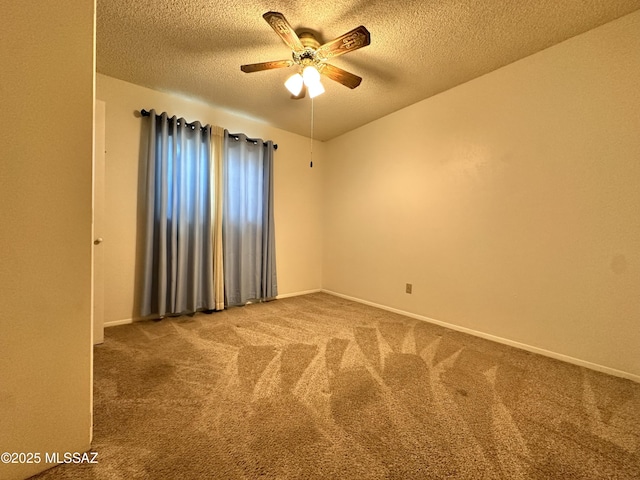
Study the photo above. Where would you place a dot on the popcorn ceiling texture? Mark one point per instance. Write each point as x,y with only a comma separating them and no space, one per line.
319,387
418,49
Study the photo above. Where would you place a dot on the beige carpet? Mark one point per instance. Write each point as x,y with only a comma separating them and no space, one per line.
320,387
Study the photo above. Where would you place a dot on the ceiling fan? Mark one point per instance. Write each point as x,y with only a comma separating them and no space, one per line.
311,57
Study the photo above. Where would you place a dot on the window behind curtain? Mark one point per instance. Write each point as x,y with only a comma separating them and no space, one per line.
248,224
178,248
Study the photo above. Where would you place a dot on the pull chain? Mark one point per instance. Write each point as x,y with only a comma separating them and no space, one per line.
311,161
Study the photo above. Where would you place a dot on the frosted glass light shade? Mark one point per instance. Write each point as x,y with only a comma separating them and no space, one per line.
310,75
294,84
315,89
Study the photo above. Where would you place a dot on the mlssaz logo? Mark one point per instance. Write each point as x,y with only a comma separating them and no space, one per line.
72,457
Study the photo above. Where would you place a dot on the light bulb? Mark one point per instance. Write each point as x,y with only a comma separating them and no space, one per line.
315,89
294,84
310,75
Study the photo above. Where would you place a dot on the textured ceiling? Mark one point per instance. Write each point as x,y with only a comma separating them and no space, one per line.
418,49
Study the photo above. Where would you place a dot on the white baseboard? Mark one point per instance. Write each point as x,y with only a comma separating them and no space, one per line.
505,341
297,294
115,323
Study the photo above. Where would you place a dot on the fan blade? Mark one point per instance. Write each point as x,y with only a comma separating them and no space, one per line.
277,21
341,76
302,94
258,67
357,38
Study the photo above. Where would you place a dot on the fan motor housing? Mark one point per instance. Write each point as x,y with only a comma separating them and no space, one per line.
309,40
308,56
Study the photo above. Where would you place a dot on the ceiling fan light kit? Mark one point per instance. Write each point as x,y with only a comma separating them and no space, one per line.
315,89
310,57
294,84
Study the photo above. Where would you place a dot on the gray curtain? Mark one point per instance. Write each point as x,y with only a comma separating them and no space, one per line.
178,270
248,234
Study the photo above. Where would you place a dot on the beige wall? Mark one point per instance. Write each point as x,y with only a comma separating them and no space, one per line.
46,94
297,192
511,203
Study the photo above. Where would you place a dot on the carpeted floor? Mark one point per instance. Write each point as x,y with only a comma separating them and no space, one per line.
318,387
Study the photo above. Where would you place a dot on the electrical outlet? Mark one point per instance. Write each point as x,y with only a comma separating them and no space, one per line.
409,288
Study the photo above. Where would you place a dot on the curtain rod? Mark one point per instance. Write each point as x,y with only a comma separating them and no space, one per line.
252,140
146,113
